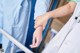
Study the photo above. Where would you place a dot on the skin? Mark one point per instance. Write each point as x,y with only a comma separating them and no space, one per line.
37,37
41,21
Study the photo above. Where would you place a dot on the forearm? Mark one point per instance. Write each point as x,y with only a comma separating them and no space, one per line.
62,11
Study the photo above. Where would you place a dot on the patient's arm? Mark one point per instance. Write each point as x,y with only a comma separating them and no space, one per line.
41,21
64,10
37,37
59,12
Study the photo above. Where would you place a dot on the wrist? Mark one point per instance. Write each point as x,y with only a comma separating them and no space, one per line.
49,15
40,27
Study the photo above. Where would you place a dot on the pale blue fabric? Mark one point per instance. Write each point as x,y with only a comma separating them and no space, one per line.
15,21
1,18
41,7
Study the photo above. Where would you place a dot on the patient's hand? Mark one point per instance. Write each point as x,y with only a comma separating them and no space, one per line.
37,37
41,20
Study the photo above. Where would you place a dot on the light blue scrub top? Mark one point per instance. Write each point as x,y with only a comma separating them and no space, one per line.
14,19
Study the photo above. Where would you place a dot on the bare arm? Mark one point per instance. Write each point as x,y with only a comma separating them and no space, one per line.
59,12
62,11
41,21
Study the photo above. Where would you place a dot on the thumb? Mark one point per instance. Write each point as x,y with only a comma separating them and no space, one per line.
38,42
33,42
37,25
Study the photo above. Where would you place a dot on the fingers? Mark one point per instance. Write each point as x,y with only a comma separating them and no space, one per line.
33,42
36,24
38,41
40,23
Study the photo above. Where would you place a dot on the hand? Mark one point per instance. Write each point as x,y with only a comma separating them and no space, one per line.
41,21
37,37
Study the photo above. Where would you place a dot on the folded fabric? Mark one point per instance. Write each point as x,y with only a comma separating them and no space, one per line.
15,22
